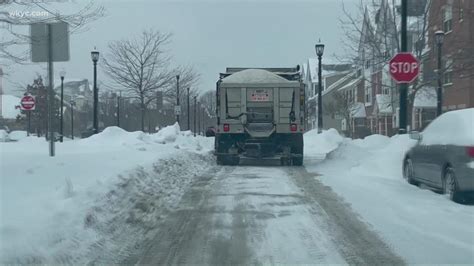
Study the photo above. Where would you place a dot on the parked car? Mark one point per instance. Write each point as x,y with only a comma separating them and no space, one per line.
443,158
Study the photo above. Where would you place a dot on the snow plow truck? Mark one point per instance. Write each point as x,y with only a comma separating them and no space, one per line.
260,116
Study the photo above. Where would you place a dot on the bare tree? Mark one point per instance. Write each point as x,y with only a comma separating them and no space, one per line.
142,68
381,41
340,105
14,18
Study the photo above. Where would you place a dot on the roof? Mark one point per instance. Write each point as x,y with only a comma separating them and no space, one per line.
254,76
358,110
383,103
9,103
425,97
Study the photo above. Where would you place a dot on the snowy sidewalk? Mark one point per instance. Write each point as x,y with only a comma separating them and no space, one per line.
421,225
58,210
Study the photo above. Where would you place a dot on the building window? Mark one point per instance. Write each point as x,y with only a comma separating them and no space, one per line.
367,64
385,89
448,72
448,18
368,94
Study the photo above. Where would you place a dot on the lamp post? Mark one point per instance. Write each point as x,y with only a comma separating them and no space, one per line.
439,37
195,114
319,52
189,111
95,58
119,97
73,103
61,132
177,110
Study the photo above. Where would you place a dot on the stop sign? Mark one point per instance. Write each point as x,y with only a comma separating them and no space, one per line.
27,103
404,67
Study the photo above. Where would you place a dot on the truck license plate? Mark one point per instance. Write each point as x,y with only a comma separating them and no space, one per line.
260,96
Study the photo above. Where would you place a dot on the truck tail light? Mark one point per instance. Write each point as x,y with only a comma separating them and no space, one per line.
470,151
293,127
226,127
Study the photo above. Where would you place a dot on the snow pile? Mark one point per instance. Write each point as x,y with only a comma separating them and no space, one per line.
169,134
17,135
4,136
422,226
319,145
254,76
96,199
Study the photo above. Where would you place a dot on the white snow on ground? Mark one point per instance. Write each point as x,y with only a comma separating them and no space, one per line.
98,196
421,225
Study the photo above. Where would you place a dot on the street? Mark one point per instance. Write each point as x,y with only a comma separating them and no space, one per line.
262,215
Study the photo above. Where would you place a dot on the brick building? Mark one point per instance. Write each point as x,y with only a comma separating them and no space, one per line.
456,19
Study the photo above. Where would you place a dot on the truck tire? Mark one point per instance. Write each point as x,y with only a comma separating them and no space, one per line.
227,160
297,148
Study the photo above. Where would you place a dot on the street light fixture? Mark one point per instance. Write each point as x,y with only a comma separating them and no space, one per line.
439,37
95,58
319,52
61,132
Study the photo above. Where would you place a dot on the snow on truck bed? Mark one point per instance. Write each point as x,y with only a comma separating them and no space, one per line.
254,76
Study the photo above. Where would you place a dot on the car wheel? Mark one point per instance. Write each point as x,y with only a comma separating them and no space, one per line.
408,172
450,187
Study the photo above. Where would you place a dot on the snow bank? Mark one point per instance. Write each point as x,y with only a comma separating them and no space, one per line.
97,198
4,136
17,135
422,226
319,145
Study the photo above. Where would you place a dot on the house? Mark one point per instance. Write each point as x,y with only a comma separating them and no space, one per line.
456,19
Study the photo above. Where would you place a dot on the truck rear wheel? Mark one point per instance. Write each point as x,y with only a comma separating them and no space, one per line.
297,148
227,160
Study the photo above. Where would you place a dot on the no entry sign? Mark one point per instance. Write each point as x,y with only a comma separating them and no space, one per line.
404,67
27,103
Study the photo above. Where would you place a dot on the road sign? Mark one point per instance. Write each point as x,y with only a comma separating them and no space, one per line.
27,103
177,110
404,67
40,42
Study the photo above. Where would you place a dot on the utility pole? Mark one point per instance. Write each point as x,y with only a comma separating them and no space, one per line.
73,103
199,118
189,111
119,98
195,114
50,93
403,86
177,99
61,132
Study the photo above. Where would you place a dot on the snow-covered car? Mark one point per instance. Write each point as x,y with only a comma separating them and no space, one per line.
443,158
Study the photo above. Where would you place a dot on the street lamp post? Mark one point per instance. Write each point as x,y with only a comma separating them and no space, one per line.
95,58
195,115
73,103
119,96
319,52
177,99
189,111
439,36
61,132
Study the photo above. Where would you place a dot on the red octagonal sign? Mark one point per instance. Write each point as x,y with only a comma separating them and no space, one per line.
27,103
404,67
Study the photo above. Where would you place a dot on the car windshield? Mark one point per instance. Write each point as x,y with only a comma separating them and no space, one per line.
222,132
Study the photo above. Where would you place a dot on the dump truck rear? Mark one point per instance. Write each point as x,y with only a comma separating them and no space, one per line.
260,115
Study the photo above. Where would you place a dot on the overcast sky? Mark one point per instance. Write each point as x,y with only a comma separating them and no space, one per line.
210,35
